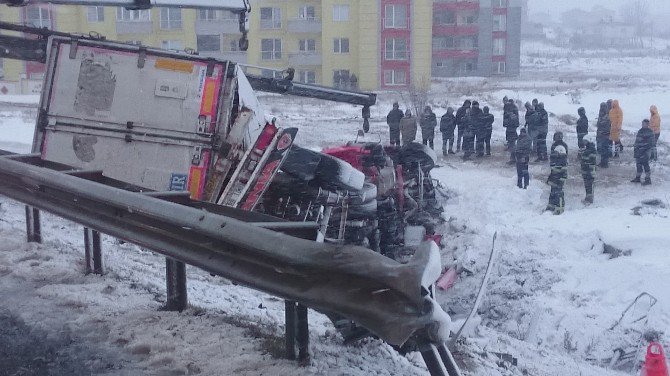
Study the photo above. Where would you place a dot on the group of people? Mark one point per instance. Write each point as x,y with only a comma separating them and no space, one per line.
471,128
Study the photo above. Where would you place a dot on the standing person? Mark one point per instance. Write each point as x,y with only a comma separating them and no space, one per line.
558,141
532,124
428,123
461,123
542,132
582,126
603,135
645,143
447,127
487,120
535,103
393,120
655,125
616,119
522,150
559,174
511,123
472,125
588,159
408,127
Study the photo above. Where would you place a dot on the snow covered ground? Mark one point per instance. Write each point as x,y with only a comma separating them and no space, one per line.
552,299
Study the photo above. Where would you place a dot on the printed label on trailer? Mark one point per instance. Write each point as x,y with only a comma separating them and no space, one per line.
178,182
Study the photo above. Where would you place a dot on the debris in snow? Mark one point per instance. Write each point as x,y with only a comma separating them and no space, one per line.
615,252
653,207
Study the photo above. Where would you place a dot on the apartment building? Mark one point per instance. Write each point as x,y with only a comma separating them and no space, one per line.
360,44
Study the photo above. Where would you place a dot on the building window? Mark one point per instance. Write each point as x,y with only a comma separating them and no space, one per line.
175,45
125,15
446,17
468,19
467,67
308,77
499,22
468,43
209,43
444,43
307,45
269,73
395,77
307,13
501,67
270,18
499,3
499,46
170,18
396,49
95,14
341,45
340,13
216,15
341,78
38,17
270,49
395,16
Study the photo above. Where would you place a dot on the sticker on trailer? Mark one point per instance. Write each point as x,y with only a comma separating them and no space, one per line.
178,182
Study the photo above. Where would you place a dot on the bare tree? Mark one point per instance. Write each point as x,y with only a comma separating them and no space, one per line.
417,95
636,12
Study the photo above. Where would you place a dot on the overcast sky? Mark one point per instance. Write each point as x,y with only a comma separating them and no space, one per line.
557,7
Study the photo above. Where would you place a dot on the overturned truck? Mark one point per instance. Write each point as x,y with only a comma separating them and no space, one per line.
163,121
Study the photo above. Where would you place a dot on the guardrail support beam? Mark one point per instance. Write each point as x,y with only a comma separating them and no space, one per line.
175,277
290,316
33,225
302,334
93,251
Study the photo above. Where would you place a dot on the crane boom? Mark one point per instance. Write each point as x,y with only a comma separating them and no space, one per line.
235,6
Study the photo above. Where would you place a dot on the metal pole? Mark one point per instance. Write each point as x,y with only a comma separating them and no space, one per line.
93,251
175,277
433,360
291,328
33,225
303,334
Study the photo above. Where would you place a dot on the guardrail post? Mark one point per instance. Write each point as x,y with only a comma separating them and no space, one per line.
291,328
175,277
33,225
302,334
93,251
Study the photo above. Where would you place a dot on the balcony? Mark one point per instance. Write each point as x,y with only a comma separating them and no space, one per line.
456,29
304,25
304,58
134,27
212,27
455,53
456,5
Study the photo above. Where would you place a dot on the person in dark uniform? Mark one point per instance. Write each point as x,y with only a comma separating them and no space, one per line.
582,126
588,159
558,161
542,132
447,127
645,143
393,120
487,129
428,123
522,150
461,123
511,123
603,135
558,141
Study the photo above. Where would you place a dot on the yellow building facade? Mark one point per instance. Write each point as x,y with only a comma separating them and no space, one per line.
358,44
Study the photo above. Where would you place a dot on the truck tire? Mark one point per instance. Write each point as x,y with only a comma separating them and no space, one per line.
336,173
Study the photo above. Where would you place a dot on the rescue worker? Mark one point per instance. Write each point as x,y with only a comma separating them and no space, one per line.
582,126
511,123
558,141
588,159
447,127
603,135
428,123
542,132
645,143
522,150
472,120
558,161
408,127
655,125
616,119
393,121
532,124
487,129
461,123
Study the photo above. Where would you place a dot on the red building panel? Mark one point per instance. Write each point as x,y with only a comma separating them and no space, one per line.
456,30
498,58
456,6
499,35
456,54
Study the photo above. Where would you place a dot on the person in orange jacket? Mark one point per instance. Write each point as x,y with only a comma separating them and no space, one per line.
655,125
616,117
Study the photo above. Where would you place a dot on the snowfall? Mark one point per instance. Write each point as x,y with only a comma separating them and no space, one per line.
556,303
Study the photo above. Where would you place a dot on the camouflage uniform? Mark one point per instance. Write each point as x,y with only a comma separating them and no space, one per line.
587,156
557,178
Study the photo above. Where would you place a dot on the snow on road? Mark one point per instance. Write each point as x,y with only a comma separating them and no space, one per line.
552,299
